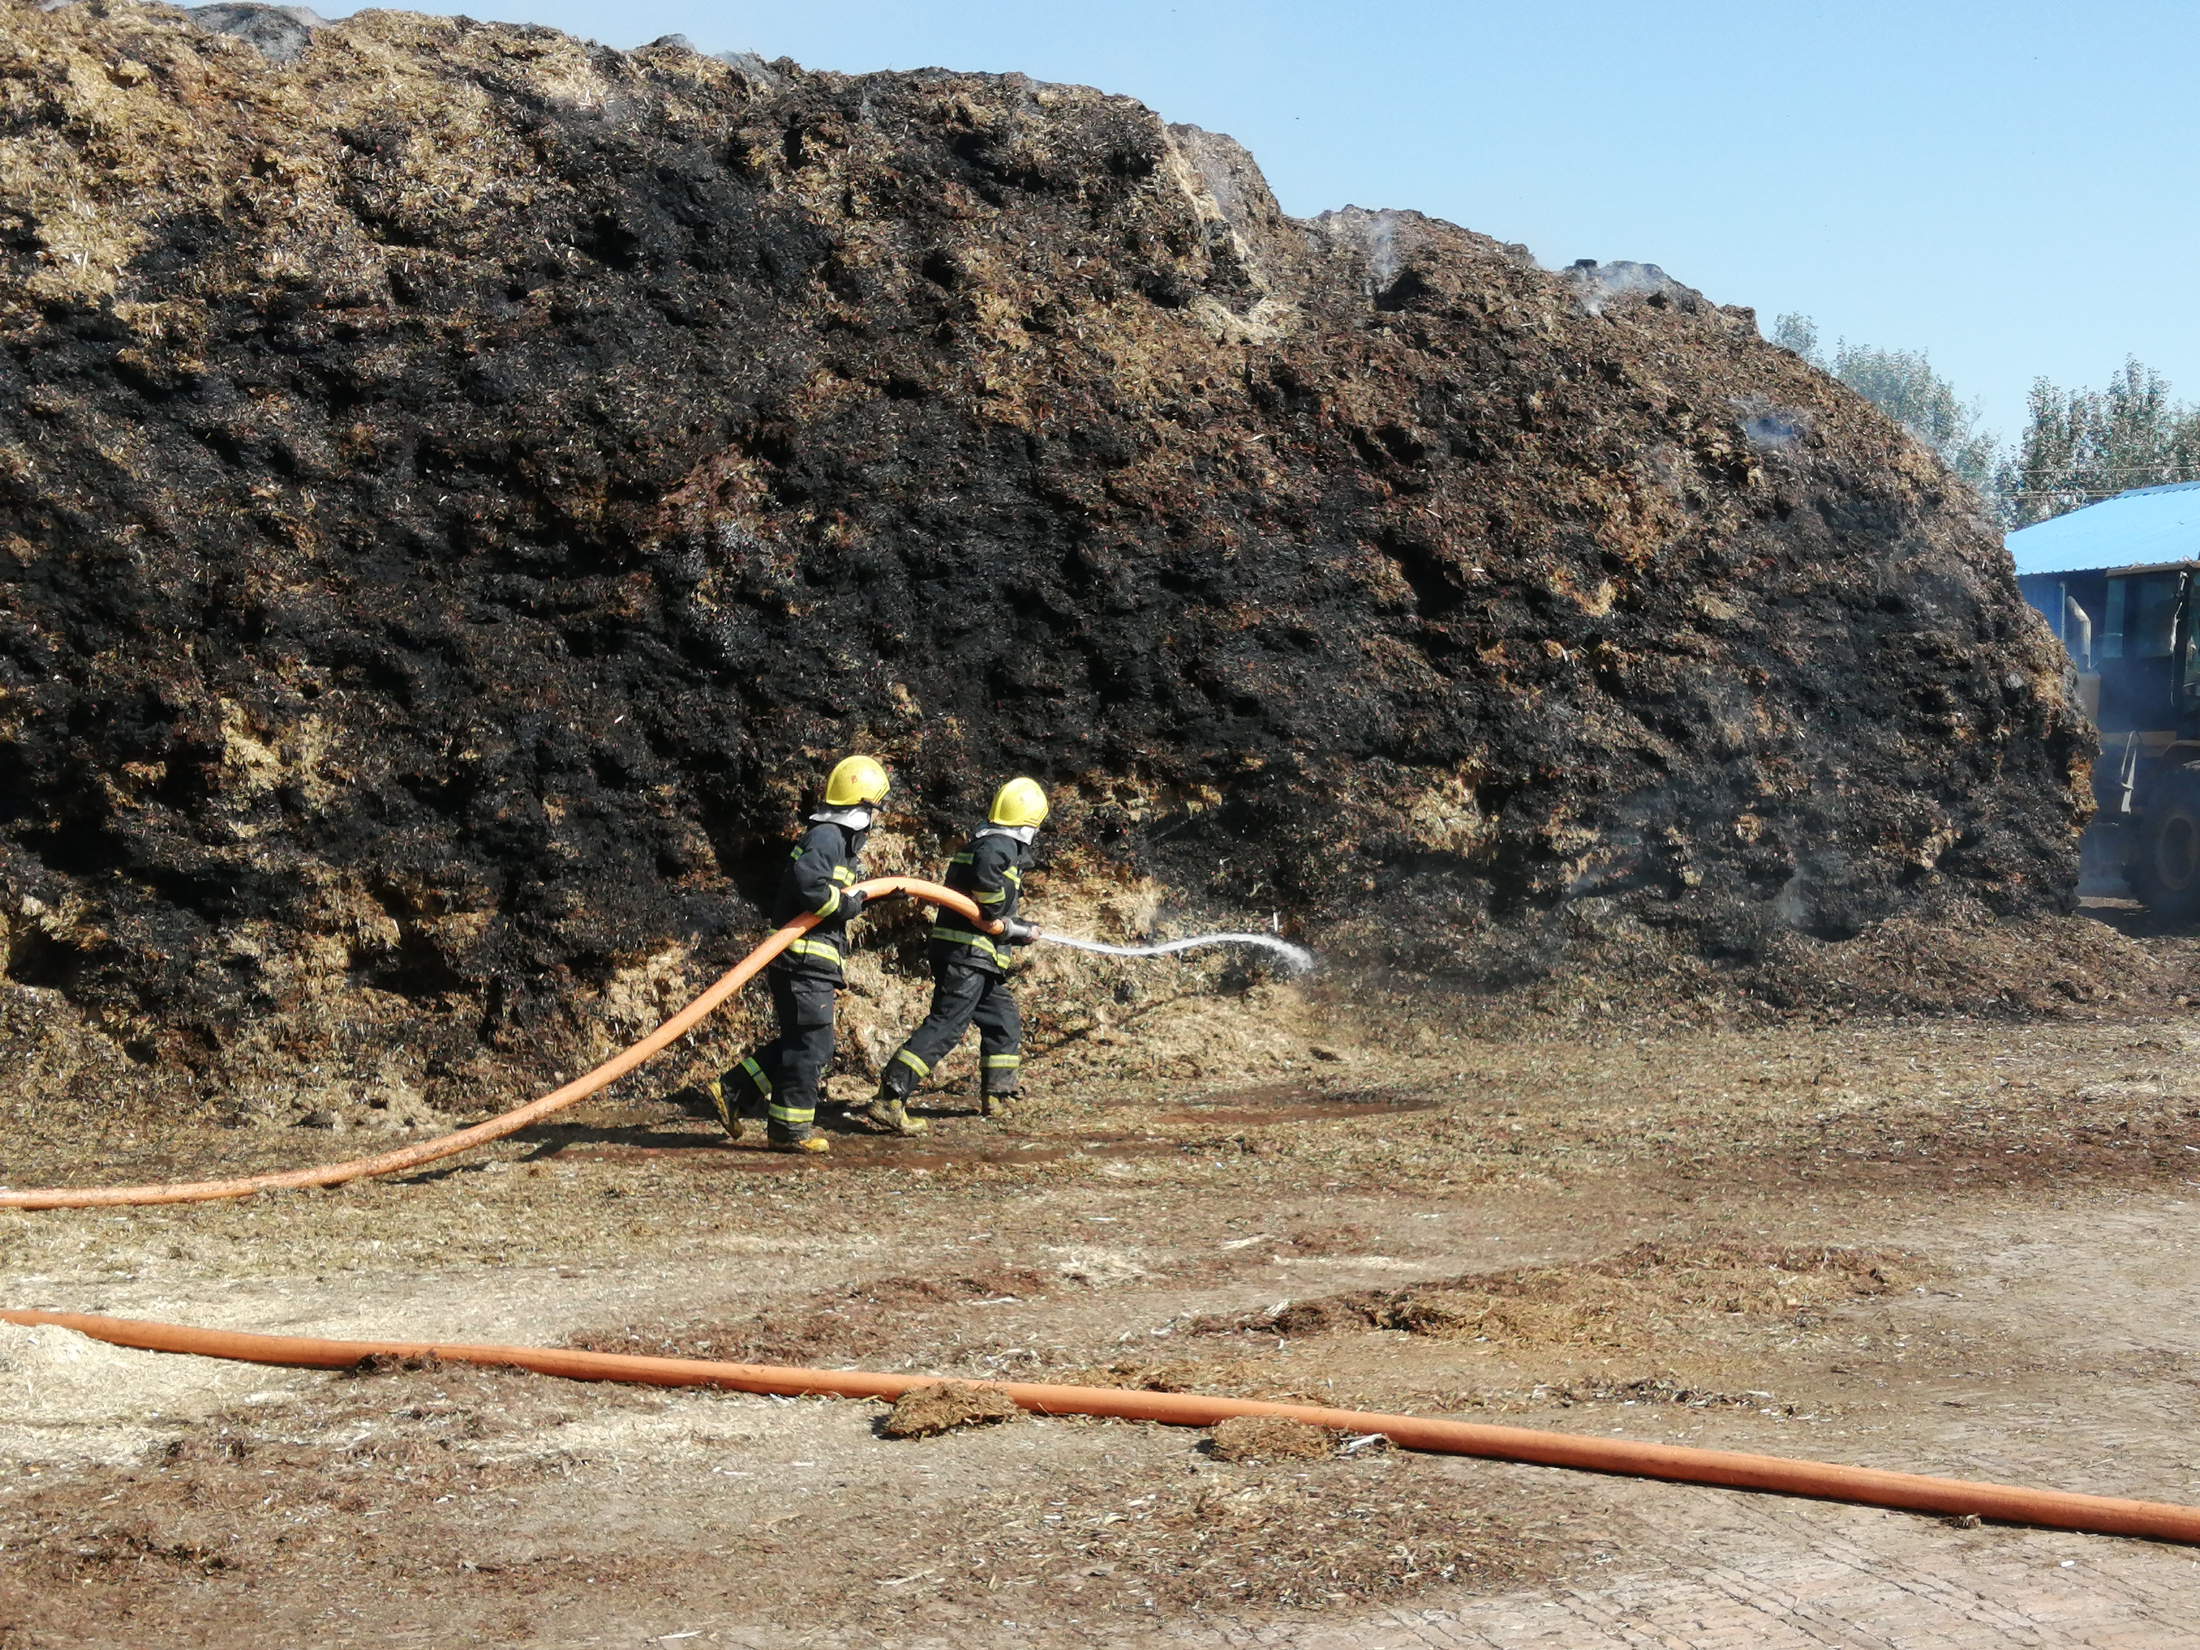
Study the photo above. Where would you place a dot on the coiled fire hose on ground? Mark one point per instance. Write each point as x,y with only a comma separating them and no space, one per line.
1779,1475
496,1128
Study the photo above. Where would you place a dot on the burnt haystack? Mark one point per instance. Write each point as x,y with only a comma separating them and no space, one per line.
458,483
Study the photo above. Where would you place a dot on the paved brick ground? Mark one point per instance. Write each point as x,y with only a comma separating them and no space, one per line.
1793,1576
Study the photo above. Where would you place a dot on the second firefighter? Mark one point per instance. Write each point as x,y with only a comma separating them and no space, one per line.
781,1079
970,963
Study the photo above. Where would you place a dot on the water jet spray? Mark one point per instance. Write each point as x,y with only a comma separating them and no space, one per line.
1296,958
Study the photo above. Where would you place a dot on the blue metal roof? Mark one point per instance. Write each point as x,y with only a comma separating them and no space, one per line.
2141,528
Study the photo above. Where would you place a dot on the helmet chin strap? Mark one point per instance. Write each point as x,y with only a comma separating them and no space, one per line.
855,819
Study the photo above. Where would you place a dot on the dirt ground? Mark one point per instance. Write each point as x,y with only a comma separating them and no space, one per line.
1952,1246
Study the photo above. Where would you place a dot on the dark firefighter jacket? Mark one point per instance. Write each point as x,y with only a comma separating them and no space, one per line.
991,871
819,869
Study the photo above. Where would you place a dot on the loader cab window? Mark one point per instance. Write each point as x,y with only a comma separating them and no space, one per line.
2142,616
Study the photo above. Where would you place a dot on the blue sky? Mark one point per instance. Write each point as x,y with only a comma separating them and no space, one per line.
2010,186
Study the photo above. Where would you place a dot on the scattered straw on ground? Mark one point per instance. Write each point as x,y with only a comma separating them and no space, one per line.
1260,1438
928,1411
67,1397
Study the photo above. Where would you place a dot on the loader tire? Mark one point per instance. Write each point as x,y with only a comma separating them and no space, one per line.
2165,873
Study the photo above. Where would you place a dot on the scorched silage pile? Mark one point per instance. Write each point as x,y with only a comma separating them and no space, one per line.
459,484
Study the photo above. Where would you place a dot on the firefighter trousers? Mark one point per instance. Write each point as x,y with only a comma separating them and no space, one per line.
960,995
780,1080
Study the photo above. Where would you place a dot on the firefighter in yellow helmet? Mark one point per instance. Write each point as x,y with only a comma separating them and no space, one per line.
969,965
780,1080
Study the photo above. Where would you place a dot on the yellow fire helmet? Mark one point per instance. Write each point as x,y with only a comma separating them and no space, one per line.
1019,802
859,782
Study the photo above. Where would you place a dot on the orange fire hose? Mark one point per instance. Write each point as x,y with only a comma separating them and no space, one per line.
1864,1486
450,1145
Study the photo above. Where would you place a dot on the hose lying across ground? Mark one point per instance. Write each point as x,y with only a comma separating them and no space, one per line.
1864,1486
450,1145
511,1122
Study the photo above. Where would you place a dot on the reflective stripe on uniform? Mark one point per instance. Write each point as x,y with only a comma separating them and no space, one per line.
791,1117
1003,1062
977,940
842,875
815,948
994,898
1011,874
912,1062
832,904
756,1075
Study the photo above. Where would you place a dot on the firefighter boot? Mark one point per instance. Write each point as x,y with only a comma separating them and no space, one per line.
885,1114
999,1104
715,1091
808,1143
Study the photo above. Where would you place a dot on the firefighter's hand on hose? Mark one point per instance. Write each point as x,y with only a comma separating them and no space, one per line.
1020,933
851,901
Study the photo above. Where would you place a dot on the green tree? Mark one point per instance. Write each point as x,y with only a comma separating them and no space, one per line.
1903,385
2081,446
1800,334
